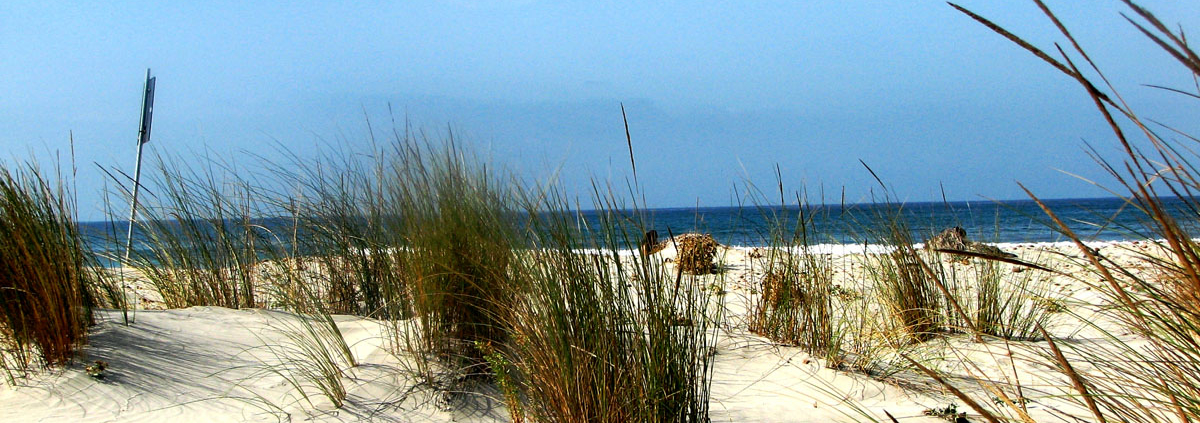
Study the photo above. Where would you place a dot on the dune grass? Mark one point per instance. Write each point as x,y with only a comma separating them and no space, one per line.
418,233
1159,381
316,358
602,336
925,295
201,245
345,229
46,292
1011,305
567,326
997,299
907,290
457,223
796,305
484,280
479,278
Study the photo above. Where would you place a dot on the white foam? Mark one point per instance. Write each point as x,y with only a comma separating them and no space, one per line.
845,249
837,249
622,253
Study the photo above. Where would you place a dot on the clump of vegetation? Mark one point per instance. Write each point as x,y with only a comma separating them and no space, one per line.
796,301
845,294
948,413
909,291
47,290
316,356
473,287
201,246
603,336
912,285
796,306
97,369
509,387
456,222
1012,305
775,289
345,227
1114,381
696,253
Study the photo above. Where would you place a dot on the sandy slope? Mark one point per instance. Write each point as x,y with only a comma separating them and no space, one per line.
210,364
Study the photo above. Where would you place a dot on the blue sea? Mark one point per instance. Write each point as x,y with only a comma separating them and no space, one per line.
1017,221
1021,221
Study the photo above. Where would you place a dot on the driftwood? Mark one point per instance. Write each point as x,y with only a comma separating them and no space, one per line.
955,239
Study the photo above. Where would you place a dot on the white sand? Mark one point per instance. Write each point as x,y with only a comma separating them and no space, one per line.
210,364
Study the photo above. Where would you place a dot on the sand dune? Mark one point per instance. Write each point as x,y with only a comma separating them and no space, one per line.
213,364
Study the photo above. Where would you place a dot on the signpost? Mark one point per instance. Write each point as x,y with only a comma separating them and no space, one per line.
143,138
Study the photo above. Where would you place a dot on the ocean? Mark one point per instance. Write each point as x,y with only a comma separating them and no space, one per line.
1020,221
1016,221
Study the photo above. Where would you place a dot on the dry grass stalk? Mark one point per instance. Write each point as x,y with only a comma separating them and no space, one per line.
987,415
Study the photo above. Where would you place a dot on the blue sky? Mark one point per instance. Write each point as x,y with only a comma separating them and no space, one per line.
717,94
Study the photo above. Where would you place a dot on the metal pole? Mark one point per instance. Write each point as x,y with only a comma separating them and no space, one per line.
143,138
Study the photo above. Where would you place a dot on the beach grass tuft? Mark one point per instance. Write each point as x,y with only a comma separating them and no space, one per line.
200,246
797,301
343,227
47,288
1012,305
457,226
316,356
909,293
1115,380
602,336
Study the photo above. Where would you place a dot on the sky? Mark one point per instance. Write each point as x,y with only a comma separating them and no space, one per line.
717,94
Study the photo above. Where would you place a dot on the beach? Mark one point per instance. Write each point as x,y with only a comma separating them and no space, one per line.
219,364
602,212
